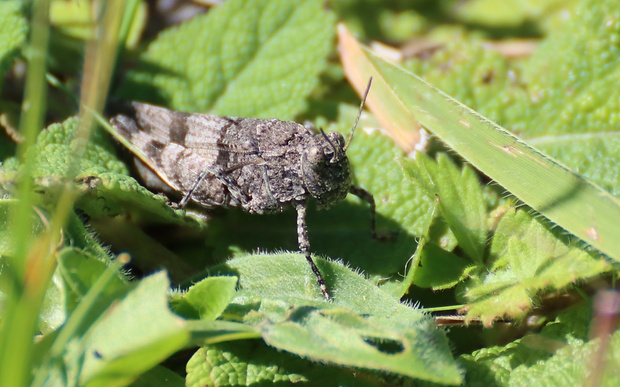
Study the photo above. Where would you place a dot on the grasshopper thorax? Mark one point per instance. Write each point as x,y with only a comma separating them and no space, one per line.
325,168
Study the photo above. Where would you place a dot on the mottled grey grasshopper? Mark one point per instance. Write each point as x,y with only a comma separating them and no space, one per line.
259,165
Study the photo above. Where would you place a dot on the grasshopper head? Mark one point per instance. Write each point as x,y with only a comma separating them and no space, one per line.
325,168
324,164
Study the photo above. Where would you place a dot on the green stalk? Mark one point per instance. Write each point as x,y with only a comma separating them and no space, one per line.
29,267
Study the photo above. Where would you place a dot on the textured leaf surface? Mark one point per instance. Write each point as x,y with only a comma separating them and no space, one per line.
526,267
364,327
526,259
561,195
127,341
252,363
574,363
245,58
13,31
458,196
439,269
575,93
563,99
102,180
559,354
117,331
263,58
54,149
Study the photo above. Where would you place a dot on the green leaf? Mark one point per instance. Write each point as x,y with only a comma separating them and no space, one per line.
83,237
576,104
105,188
478,77
574,364
126,340
501,14
135,333
159,377
255,59
382,20
75,275
79,272
578,96
107,194
459,195
559,354
439,269
364,326
568,113
413,266
561,195
252,363
55,146
207,299
7,234
594,155
526,260
13,32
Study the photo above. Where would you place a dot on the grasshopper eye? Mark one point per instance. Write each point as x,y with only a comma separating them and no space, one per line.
330,151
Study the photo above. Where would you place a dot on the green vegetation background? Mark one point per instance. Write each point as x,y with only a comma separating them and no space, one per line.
237,305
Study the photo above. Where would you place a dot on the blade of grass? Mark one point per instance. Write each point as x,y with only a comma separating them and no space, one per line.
29,266
98,68
34,260
574,203
74,324
31,121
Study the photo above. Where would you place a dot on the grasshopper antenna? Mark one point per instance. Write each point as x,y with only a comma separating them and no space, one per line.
359,113
330,143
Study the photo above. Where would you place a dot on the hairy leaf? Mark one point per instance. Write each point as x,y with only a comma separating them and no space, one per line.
560,353
252,363
364,327
252,59
526,259
126,340
562,99
104,186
